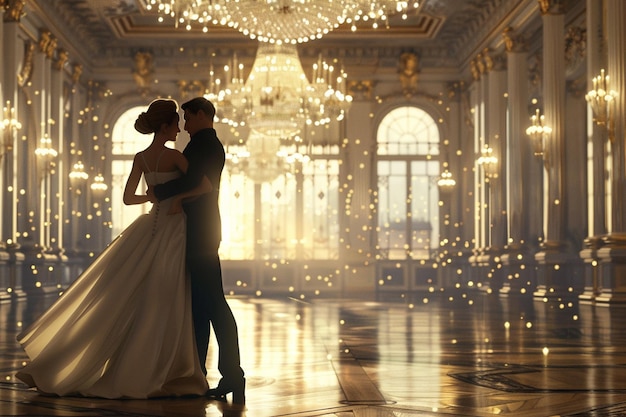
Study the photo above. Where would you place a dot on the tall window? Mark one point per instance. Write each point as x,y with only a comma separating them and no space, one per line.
407,169
294,216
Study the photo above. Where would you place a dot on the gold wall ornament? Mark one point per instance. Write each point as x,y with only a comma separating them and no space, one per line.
488,59
77,71
361,88
44,40
191,88
480,63
514,42
51,47
26,72
62,58
408,73
550,6
13,10
143,70
474,70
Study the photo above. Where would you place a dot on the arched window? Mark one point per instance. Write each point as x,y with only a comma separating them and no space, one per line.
408,168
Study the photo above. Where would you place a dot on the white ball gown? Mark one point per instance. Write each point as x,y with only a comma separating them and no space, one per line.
123,329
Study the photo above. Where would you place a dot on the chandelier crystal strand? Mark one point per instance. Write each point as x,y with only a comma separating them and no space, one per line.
287,21
280,21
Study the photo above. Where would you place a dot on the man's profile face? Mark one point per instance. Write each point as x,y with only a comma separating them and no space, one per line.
192,122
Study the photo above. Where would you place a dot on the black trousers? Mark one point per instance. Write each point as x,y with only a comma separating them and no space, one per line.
210,308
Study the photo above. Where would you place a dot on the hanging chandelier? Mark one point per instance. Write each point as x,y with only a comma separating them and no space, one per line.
280,21
277,98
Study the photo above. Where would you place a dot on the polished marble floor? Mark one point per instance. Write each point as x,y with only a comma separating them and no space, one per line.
446,355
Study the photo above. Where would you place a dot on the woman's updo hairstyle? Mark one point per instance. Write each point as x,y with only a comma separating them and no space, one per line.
159,112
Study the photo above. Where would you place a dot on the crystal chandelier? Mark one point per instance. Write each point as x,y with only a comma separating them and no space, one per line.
277,99
280,21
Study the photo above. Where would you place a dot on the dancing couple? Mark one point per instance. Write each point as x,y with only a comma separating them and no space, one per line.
126,327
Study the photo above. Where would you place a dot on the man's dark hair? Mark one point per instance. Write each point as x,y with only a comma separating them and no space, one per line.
199,103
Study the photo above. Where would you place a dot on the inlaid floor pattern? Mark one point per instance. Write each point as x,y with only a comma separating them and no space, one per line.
447,355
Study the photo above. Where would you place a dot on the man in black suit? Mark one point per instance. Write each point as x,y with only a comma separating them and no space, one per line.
206,157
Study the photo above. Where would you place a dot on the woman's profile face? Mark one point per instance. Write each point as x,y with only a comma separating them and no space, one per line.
173,129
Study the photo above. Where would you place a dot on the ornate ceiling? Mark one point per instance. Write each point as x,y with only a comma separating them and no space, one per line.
105,35
442,32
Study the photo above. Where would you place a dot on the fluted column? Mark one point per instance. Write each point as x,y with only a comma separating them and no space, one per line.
616,56
523,218
357,172
596,141
12,161
477,97
496,125
556,273
612,254
39,266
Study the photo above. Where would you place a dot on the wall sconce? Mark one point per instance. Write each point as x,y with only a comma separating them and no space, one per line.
600,99
489,163
78,178
538,133
445,182
98,186
45,155
10,125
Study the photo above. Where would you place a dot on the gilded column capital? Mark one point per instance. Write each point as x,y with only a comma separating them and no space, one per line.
62,57
474,69
13,10
77,71
550,6
47,43
480,64
488,59
514,42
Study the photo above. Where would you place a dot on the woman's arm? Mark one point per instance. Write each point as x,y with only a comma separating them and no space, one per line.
130,195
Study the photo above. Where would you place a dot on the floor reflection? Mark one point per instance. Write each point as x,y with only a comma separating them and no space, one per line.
455,354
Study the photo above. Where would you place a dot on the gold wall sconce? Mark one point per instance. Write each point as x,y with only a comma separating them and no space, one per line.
10,125
538,133
489,163
601,99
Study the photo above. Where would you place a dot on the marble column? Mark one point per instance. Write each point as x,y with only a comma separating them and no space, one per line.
596,142
557,274
38,269
478,93
612,253
518,258
10,28
496,126
357,172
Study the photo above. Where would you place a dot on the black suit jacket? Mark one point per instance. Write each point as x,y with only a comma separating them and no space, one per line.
206,157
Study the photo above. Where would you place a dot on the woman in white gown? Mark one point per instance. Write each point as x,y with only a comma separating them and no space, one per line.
123,329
